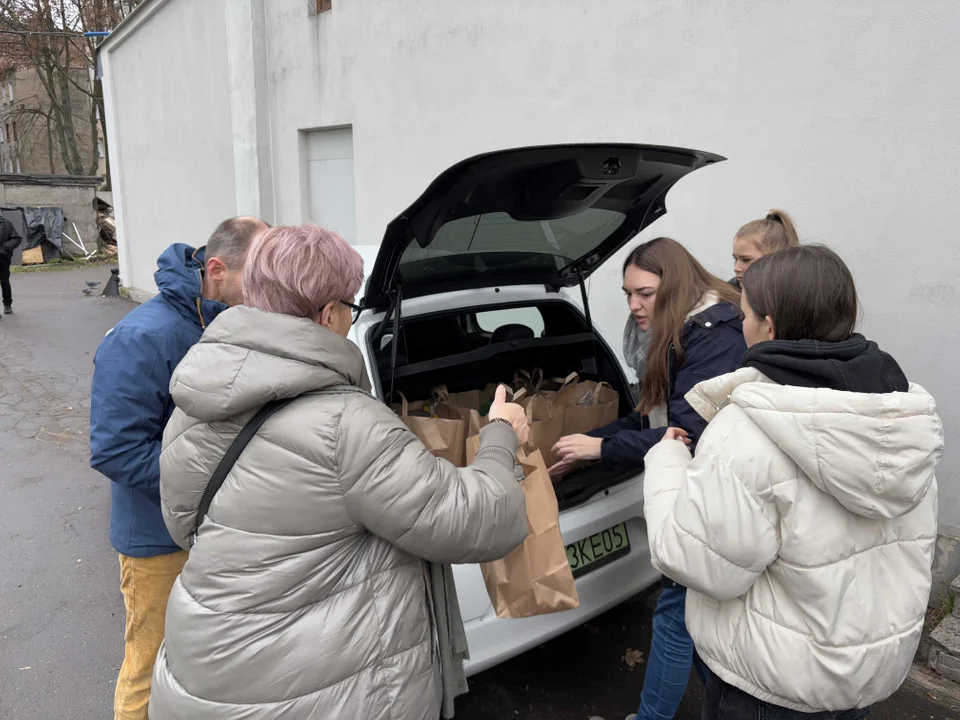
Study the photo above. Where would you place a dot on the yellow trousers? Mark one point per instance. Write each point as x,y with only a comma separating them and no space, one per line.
145,584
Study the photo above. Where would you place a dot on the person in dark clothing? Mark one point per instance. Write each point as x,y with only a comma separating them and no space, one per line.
711,343
130,404
9,241
761,237
696,334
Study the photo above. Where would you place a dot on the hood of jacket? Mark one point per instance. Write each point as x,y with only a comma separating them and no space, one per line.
248,357
873,449
854,365
712,311
179,280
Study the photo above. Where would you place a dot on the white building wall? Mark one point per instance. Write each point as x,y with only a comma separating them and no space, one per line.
169,130
845,114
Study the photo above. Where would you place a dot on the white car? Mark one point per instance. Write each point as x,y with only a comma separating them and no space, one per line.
472,280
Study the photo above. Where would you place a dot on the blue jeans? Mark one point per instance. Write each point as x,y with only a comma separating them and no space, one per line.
671,656
725,702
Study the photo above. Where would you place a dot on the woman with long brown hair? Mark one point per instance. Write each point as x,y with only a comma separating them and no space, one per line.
696,334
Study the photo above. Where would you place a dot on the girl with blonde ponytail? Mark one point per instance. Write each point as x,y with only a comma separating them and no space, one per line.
761,237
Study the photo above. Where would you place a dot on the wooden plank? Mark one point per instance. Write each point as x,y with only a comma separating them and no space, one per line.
33,256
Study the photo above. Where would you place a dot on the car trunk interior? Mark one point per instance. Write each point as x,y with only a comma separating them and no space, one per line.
467,349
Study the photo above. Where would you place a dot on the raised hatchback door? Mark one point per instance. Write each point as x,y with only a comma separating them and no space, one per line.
540,215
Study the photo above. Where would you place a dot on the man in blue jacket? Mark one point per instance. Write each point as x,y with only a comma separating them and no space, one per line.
129,406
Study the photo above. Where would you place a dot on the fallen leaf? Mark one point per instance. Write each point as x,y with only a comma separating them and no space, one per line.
633,658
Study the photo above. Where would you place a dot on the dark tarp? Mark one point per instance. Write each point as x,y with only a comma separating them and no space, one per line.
44,228
43,223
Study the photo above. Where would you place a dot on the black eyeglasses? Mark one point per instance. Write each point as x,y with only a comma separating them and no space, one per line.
357,309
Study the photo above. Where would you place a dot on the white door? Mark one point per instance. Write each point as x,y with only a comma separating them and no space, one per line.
330,178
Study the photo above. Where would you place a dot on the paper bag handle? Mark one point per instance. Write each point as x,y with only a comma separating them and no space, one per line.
563,382
530,380
597,389
536,378
440,394
520,378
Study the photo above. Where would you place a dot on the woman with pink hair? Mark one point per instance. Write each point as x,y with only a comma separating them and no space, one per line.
307,593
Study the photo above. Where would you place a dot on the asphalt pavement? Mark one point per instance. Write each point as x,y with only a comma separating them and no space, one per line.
61,612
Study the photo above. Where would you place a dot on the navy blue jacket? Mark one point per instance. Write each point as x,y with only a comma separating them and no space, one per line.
712,345
130,399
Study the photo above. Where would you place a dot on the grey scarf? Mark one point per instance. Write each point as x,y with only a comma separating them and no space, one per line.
636,345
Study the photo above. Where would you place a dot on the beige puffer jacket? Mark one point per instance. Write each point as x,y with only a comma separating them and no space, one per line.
804,529
304,595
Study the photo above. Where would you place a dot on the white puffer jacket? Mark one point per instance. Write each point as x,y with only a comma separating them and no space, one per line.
804,529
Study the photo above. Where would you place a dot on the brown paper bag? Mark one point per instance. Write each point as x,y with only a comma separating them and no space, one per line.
531,381
406,407
473,421
469,399
545,421
443,435
535,578
472,445
466,405
557,384
603,407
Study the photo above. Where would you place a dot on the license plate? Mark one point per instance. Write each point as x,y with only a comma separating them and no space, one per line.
597,550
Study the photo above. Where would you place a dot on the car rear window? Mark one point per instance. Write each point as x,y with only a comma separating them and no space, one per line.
527,316
496,243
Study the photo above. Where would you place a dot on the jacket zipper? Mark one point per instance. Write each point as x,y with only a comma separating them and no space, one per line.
671,353
193,256
203,325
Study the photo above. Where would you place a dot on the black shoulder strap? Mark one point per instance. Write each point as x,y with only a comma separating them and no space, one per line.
233,452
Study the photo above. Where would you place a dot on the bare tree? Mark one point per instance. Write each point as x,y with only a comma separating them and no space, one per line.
47,36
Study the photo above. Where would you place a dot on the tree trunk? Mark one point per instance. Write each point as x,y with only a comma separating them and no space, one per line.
94,144
108,182
50,146
75,166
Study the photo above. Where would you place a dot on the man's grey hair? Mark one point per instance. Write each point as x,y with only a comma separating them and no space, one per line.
232,238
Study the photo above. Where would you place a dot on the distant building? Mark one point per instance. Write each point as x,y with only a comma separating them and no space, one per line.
29,137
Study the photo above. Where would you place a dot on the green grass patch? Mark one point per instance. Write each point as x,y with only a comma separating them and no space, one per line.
60,264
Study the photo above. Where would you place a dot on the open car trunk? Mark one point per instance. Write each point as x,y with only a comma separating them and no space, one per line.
467,350
545,216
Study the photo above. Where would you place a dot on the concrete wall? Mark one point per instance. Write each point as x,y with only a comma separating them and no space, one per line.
169,130
76,202
842,113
